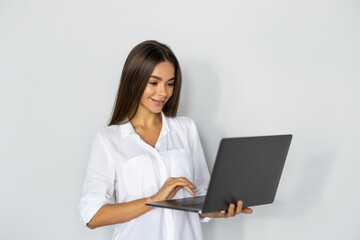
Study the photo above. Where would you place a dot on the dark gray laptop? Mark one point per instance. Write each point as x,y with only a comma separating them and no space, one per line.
246,168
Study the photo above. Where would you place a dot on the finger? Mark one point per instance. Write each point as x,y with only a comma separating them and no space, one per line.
247,210
231,210
190,190
222,213
171,181
239,207
184,185
186,180
173,192
178,183
176,189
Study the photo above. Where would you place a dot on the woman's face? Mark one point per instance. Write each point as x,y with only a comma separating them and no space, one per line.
159,88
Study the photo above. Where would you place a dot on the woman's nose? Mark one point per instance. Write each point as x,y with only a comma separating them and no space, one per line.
162,91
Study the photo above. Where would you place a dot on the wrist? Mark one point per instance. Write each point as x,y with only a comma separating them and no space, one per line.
150,199
204,218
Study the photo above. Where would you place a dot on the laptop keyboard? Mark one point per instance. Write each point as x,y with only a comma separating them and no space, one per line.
192,202
193,205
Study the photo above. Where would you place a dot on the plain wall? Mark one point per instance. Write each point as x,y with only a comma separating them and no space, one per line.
250,68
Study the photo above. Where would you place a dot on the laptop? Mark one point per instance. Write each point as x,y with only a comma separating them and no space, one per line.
246,168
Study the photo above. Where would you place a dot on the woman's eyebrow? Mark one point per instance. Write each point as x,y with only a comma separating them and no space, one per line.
159,78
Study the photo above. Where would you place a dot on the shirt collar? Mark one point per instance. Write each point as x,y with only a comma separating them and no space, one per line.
127,128
165,127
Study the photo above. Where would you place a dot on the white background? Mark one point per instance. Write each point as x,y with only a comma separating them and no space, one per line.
250,68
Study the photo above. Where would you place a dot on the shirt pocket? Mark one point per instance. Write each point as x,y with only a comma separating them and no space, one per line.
180,164
139,176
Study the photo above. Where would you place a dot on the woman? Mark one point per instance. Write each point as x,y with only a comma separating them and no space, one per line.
147,154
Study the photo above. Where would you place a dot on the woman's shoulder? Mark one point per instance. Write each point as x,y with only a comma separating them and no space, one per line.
109,131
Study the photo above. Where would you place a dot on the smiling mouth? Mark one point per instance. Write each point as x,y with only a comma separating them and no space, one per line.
158,102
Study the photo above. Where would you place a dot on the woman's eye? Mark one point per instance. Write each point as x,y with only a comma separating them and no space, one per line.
171,84
153,83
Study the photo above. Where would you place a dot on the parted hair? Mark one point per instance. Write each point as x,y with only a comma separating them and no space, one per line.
135,75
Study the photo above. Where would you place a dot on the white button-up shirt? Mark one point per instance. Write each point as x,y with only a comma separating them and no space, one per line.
122,163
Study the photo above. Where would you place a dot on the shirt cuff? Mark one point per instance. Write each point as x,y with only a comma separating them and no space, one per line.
205,219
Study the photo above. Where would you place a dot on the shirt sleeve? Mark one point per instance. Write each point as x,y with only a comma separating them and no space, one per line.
201,171
98,187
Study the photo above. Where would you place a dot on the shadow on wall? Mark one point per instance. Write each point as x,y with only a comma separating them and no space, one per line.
310,179
201,93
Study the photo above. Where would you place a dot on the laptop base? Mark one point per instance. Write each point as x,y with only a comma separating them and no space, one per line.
190,204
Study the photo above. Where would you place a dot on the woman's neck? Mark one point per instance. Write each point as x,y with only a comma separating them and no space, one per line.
146,119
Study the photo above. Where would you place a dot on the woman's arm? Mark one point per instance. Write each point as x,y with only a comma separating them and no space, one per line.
122,212
119,213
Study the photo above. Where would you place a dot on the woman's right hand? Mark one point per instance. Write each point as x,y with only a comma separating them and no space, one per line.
171,187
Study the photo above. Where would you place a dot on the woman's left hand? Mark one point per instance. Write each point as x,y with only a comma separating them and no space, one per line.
232,211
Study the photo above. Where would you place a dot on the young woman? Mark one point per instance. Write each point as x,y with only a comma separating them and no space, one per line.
147,154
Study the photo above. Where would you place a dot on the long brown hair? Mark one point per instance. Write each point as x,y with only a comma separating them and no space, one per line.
135,76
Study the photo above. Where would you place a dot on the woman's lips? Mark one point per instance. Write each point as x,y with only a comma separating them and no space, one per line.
158,103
